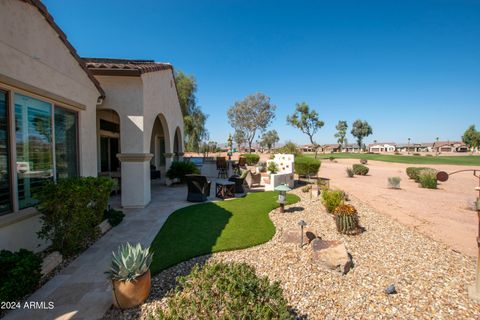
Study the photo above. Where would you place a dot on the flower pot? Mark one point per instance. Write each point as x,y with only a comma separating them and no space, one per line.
129,294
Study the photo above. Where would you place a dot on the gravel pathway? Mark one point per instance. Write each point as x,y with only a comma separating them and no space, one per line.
430,278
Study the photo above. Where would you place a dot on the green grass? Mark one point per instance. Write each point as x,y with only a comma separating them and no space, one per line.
455,160
215,226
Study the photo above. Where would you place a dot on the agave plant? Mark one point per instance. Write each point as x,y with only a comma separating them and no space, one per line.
129,262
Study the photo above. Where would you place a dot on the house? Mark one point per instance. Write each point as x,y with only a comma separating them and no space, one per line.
64,116
382,147
450,146
414,147
351,147
331,147
310,148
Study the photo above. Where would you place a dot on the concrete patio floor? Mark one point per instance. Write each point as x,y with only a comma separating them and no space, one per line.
81,290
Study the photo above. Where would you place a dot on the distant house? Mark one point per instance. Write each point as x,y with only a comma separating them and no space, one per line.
331,147
450,146
415,147
310,148
382,147
351,147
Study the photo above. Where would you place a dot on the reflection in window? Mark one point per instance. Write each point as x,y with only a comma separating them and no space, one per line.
66,156
33,132
5,204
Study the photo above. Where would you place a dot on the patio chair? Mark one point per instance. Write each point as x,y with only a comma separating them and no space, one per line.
241,164
198,188
253,179
239,181
222,167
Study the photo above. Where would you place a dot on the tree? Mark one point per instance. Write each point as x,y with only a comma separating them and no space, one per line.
307,121
341,127
471,137
193,117
269,139
239,138
251,115
360,130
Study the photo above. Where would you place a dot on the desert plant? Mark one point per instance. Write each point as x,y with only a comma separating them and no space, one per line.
129,262
306,166
394,182
113,216
346,219
290,148
428,179
350,172
224,291
19,274
332,199
414,172
178,170
71,211
272,167
331,158
306,189
416,154
360,169
363,161
251,158
261,166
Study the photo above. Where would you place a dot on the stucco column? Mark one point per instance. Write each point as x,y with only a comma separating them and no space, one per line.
168,163
135,179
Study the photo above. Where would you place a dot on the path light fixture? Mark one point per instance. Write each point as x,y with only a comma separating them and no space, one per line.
282,195
302,224
474,290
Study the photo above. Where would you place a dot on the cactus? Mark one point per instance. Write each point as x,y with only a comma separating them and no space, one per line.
346,219
129,262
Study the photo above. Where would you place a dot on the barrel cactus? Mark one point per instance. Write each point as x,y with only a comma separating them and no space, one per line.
346,219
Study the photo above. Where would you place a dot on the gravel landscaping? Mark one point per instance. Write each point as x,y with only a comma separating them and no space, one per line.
430,278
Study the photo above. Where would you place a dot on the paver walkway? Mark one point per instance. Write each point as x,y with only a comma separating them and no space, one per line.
81,290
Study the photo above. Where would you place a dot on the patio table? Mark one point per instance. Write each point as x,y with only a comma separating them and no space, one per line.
225,189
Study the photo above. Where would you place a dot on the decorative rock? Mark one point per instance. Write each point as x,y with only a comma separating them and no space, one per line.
293,236
50,262
104,226
390,289
332,255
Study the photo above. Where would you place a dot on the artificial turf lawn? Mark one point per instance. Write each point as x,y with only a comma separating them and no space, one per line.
454,160
215,226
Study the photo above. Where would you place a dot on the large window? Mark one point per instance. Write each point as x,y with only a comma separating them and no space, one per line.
5,198
66,148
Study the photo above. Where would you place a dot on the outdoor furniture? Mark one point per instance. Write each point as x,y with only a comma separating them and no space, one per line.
241,164
239,181
198,188
222,167
154,173
253,179
225,190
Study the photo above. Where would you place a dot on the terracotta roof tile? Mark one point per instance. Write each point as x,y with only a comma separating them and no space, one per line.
105,66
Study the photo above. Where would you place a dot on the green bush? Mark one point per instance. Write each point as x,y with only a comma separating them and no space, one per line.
251,158
428,179
272,167
71,211
360,169
363,161
289,148
20,273
414,172
332,199
306,166
113,216
179,169
350,172
224,291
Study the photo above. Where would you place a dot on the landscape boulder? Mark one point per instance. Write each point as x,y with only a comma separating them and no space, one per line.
293,236
331,255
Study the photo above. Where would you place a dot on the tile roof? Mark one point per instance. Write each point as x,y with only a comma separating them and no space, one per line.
107,66
43,10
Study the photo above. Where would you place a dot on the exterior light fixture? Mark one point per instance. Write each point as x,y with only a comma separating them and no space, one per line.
474,290
302,224
282,195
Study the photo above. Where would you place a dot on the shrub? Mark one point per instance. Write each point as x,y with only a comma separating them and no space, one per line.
350,172
251,158
397,153
306,166
113,216
224,291
19,274
360,169
272,167
416,154
394,182
346,219
290,148
179,169
414,172
429,155
306,189
262,166
331,158
363,161
428,179
71,211
332,199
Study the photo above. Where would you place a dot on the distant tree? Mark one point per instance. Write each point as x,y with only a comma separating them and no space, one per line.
239,138
269,139
341,127
290,148
307,121
251,115
471,137
360,130
193,117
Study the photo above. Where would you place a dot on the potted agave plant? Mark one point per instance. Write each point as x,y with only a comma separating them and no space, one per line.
130,275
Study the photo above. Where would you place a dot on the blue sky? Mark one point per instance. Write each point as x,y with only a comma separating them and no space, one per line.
410,68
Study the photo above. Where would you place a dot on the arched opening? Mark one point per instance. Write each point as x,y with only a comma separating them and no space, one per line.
160,148
177,144
108,143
